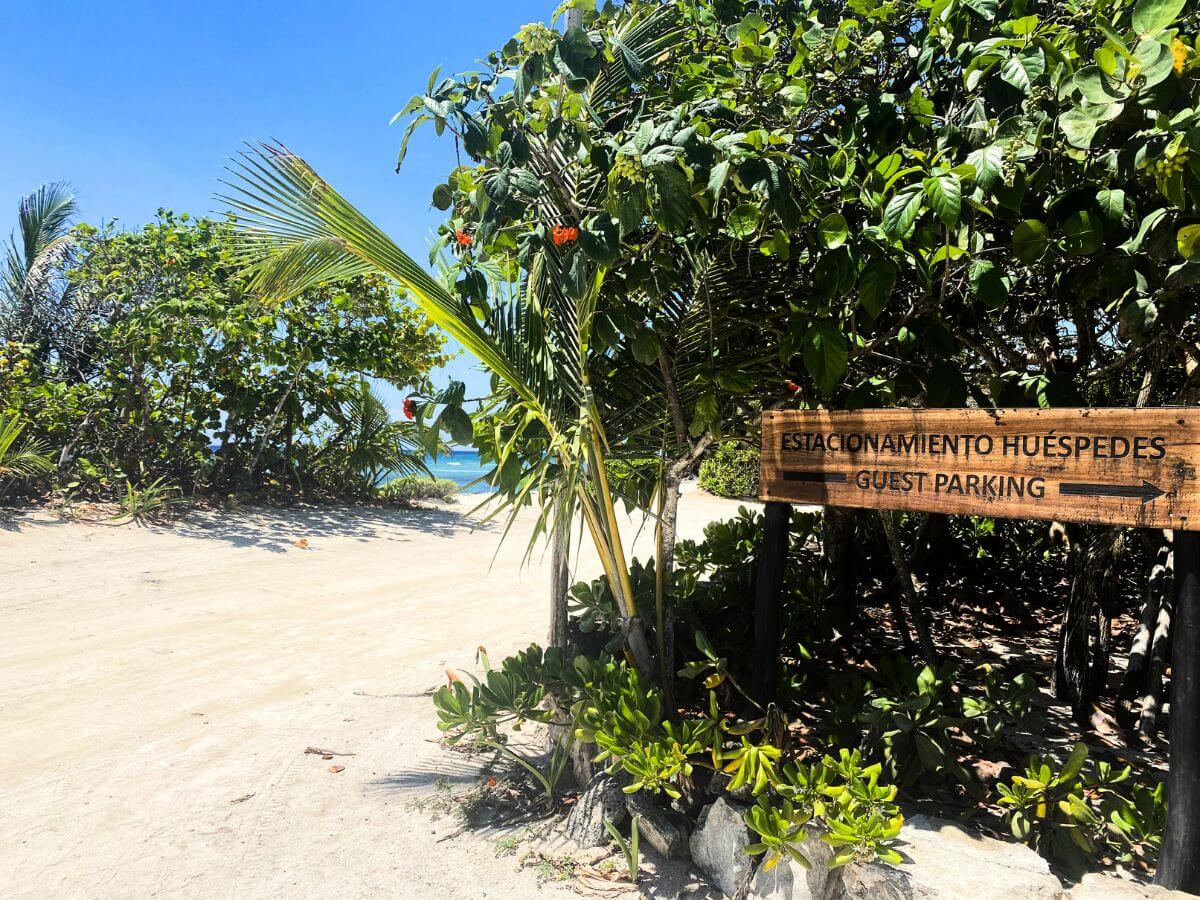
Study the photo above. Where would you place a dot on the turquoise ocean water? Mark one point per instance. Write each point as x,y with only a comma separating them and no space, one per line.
462,467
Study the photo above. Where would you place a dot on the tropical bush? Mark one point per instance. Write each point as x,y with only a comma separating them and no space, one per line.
731,471
145,357
417,487
1077,813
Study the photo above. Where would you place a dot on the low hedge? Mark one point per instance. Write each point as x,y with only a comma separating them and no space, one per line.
417,487
731,471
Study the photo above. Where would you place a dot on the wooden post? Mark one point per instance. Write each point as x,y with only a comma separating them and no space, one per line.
771,565
1179,864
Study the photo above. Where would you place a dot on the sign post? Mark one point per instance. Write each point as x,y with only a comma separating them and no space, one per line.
1135,467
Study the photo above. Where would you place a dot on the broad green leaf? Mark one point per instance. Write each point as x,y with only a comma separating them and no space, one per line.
984,8
1030,239
794,94
901,212
834,231
1188,241
989,283
717,178
1134,244
989,165
1155,62
671,198
743,221
1096,87
875,285
443,197
735,381
1079,127
1074,763
1083,234
645,346
1112,203
1152,16
1023,69
945,197
826,354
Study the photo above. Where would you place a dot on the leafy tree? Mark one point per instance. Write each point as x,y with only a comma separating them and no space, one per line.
180,356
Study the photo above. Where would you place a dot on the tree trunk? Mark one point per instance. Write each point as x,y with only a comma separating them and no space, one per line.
560,577
664,568
1080,668
1134,686
908,586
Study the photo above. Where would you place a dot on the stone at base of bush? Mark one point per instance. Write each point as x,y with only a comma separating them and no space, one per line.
1099,886
719,844
944,860
602,800
791,881
655,827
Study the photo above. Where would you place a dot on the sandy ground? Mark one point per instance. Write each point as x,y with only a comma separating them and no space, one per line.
159,687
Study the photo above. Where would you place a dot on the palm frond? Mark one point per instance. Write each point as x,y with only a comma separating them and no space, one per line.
20,460
297,232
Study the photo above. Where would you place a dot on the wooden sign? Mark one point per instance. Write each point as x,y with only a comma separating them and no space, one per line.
1107,466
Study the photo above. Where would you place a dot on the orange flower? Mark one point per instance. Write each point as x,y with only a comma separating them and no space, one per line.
565,234
463,239
410,408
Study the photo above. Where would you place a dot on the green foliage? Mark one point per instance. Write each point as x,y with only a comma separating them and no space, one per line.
509,696
629,848
910,721
731,471
163,349
861,819
417,487
1077,813
1005,700
19,460
946,188
145,504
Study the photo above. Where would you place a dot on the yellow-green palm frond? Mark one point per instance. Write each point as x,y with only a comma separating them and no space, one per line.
298,232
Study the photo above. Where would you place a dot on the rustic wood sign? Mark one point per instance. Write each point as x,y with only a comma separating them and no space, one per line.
1106,466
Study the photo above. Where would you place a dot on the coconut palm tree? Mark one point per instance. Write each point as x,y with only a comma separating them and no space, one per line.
33,294
299,232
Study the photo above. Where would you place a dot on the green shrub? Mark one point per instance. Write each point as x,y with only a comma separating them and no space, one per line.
416,487
1078,813
732,471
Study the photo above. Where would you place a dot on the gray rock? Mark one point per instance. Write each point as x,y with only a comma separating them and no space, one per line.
602,800
791,881
719,843
1098,886
946,861
655,827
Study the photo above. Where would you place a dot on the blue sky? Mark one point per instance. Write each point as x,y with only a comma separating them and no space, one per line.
138,103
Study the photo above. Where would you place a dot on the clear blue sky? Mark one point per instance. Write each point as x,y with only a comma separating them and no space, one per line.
138,103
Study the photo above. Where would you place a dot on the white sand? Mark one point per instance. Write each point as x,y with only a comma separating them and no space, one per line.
159,686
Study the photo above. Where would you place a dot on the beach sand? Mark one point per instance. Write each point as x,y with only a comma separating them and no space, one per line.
159,687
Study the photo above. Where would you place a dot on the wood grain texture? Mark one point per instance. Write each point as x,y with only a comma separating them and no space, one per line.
1105,466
